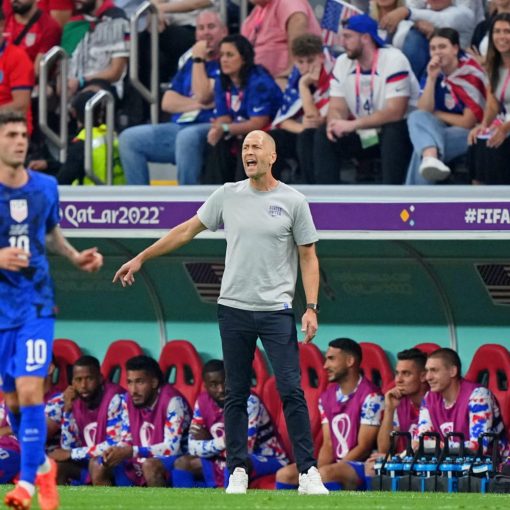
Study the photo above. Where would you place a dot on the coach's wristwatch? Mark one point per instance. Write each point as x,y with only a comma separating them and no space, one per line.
313,306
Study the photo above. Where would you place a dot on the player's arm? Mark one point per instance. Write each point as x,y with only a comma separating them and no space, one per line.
13,259
53,411
388,422
367,437
88,260
179,236
309,264
253,421
424,425
393,111
481,416
200,441
325,456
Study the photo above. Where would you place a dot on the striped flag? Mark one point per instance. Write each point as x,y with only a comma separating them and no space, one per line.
335,11
206,278
496,278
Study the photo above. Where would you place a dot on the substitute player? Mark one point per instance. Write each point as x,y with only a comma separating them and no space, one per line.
29,212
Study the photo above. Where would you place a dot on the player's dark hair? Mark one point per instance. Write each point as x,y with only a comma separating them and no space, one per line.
349,346
306,45
414,354
247,53
449,357
146,364
11,116
213,365
88,361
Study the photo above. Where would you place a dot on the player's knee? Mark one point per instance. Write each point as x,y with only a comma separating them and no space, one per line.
152,468
183,463
30,390
287,474
98,473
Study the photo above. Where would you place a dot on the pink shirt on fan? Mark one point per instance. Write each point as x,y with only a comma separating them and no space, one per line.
266,29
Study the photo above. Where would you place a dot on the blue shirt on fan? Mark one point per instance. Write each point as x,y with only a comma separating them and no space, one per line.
27,214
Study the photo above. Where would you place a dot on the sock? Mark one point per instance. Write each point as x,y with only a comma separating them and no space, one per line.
32,438
14,419
280,486
29,487
182,479
45,467
333,486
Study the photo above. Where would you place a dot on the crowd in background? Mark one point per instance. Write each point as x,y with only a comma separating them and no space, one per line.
412,92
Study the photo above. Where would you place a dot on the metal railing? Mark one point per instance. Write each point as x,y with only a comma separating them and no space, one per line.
59,139
100,97
152,95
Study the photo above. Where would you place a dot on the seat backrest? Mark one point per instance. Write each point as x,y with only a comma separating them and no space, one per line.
314,378
490,367
182,367
427,347
65,354
375,365
260,373
113,367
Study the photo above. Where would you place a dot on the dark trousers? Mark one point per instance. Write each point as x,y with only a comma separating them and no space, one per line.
239,331
394,148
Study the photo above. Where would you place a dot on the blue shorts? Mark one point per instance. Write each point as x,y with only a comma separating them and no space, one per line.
9,465
26,350
130,474
359,467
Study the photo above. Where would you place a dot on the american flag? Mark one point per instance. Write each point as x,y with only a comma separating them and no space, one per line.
335,11
496,278
206,277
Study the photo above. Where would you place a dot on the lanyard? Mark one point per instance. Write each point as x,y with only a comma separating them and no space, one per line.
505,86
358,85
228,100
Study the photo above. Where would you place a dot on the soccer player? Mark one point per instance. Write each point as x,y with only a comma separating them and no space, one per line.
402,402
351,410
29,209
91,420
207,436
155,422
269,230
456,405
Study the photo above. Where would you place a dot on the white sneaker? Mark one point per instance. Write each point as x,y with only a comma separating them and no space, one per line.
310,483
434,169
237,482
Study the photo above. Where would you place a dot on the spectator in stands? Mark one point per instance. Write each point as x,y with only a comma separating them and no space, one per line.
451,103
206,462
371,92
190,100
16,77
402,402
351,411
480,39
102,54
378,10
272,26
454,404
90,421
305,105
59,10
32,29
9,446
246,98
440,13
155,421
489,141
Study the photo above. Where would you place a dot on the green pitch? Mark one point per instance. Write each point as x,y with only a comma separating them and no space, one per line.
102,498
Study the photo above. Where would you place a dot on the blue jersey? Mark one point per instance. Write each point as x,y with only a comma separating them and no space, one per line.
261,96
445,99
27,214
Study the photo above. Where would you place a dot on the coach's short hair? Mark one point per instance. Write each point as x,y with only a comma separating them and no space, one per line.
213,365
11,116
146,364
449,357
349,346
414,354
306,45
88,361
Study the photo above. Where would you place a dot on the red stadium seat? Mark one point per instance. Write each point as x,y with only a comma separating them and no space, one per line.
490,367
182,367
427,347
65,354
113,367
375,365
260,373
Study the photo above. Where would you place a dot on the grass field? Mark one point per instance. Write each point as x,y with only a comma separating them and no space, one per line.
99,498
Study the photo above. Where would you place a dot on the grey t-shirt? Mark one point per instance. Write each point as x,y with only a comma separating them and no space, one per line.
263,230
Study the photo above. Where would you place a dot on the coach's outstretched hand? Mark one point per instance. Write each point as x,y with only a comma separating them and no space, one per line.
126,274
309,325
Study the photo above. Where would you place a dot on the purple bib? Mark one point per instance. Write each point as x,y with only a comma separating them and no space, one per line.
344,417
92,423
